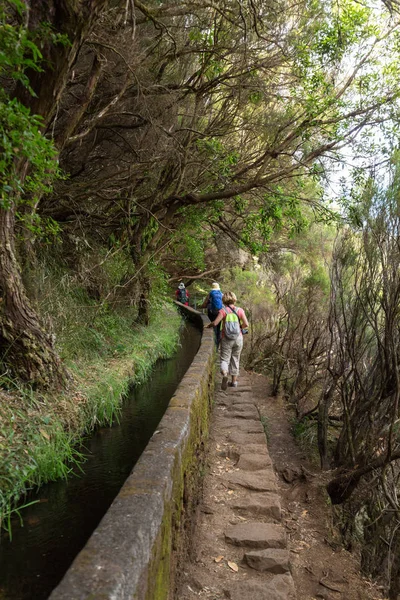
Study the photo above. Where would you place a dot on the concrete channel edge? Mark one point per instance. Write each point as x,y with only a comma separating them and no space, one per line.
133,552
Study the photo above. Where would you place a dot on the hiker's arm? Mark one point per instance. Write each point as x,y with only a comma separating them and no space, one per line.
217,319
244,320
206,301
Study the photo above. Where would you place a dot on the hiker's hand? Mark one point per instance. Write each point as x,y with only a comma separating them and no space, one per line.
209,325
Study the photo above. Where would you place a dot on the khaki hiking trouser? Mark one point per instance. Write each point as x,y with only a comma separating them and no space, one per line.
230,355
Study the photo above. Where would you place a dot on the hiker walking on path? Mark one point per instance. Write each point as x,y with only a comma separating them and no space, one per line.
182,295
213,304
234,325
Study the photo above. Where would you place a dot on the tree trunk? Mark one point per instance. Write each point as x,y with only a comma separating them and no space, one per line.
341,487
144,306
323,416
278,371
394,590
72,19
25,348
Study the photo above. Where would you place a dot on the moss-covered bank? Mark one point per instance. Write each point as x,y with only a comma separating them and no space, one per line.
39,432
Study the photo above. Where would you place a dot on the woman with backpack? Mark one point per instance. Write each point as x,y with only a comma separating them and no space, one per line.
213,303
234,325
182,295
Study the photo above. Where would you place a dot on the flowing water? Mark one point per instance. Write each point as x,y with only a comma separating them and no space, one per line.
58,526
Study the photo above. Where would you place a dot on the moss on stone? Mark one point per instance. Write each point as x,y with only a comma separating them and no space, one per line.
186,482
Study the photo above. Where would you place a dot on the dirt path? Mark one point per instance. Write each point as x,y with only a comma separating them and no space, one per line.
321,568
238,550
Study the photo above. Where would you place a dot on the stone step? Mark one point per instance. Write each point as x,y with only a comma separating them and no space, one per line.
280,587
235,452
266,504
253,462
223,400
250,413
239,389
244,407
254,449
243,399
244,425
256,535
270,560
241,438
259,481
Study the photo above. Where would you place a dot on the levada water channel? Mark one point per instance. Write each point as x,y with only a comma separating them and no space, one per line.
57,527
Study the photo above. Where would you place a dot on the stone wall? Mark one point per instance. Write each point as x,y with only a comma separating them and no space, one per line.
133,552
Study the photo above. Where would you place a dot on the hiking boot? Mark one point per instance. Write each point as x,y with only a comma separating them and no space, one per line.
224,383
233,384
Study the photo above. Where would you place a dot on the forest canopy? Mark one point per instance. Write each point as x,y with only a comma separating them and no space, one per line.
149,129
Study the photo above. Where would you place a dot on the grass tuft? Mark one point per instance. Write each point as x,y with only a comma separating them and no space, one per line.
306,435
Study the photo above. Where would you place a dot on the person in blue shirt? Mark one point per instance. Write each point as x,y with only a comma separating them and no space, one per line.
213,304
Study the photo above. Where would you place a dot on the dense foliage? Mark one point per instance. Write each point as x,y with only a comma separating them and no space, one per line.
174,124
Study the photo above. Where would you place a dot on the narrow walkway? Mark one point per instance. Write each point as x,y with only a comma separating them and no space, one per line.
239,549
